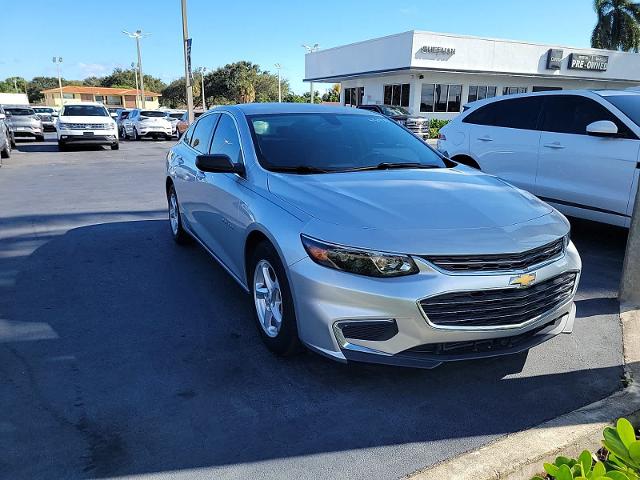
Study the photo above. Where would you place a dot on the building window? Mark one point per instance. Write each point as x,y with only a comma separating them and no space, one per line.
114,100
67,95
440,98
148,99
512,90
544,89
480,92
353,96
397,94
100,98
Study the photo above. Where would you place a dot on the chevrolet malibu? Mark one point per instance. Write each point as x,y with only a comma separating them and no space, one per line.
359,241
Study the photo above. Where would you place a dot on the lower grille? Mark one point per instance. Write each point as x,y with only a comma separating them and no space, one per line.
379,331
498,307
479,346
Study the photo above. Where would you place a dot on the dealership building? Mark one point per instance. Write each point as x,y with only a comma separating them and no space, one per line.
436,74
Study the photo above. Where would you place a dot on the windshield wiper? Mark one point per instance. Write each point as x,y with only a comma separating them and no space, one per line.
390,165
298,169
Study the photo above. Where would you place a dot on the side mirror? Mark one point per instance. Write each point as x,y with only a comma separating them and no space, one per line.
8,114
602,128
218,163
2,116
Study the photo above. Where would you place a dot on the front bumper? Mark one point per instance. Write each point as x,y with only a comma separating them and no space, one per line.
26,131
327,299
87,139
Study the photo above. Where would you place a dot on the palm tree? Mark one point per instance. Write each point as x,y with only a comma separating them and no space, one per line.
618,26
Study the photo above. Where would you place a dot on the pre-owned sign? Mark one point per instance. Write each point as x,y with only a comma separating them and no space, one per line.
578,61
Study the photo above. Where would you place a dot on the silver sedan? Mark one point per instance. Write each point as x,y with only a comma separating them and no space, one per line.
358,241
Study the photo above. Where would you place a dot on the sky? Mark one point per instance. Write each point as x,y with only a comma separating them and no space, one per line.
87,34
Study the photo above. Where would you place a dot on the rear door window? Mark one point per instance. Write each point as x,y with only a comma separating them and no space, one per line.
572,113
202,132
520,113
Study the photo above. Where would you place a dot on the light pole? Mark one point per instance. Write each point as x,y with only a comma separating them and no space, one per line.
186,44
135,72
138,35
58,61
278,67
202,70
311,49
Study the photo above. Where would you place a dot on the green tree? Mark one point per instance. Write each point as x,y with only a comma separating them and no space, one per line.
37,84
174,95
127,79
332,95
92,82
618,26
13,85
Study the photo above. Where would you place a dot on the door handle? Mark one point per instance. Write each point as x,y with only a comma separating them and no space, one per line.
200,175
485,139
555,145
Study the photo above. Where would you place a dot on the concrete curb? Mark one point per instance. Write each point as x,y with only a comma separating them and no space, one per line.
520,456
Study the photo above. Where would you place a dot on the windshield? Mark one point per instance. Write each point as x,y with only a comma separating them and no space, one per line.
395,111
44,110
152,113
19,111
84,111
335,142
175,115
629,104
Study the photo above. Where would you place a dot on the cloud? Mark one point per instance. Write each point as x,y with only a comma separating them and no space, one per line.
94,69
408,11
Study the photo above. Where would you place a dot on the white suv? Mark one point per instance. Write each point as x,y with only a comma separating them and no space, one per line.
147,123
578,150
86,124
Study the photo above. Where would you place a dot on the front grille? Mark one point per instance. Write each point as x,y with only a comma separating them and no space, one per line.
500,262
498,307
369,330
88,126
479,346
418,127
44,117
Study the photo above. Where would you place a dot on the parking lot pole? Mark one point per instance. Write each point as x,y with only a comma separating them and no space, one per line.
187,79
630,285
140,69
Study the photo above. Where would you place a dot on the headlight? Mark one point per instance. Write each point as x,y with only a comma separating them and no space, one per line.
567,239
361,262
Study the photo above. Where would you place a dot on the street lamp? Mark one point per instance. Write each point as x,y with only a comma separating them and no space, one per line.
138,35
278,67
201,71
58,61
135,72
311,49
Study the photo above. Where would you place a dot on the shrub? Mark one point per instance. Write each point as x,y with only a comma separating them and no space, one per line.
435,125
619,460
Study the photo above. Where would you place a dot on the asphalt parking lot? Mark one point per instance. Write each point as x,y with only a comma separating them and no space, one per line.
122,354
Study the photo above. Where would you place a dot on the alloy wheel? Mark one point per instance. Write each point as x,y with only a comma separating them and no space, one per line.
173,212
268,298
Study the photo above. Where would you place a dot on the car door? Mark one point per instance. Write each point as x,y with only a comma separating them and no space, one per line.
503,139
577,170
128,122
218,194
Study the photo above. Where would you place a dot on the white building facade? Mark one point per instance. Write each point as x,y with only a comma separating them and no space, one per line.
435,74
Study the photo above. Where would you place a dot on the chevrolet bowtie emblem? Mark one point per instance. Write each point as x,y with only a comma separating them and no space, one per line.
523,280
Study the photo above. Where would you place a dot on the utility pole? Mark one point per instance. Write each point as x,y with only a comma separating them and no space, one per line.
186,43
135,71
630,285
278,67
204,105
311,49
58,61
138,35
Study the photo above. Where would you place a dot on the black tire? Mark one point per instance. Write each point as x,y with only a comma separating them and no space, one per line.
115,146
167,137
136,135
179,234
13,142
123,133
286,342
40,138
6,151
62,146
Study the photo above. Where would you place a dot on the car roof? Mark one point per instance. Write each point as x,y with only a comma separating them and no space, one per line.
271,108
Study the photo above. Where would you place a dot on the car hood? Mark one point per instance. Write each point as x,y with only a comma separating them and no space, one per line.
27,120
420,211
87,119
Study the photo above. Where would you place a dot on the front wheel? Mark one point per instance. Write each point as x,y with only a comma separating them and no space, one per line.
40,138
180,236
273,302
6,151
136,135
115,146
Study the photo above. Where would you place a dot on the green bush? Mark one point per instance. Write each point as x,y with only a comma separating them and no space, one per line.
435,125
619,460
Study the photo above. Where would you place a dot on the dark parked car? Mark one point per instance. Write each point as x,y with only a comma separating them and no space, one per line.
418,125
23,121
122,116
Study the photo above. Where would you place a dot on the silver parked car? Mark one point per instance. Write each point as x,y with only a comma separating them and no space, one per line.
48,116
6,137
24,122
361,242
